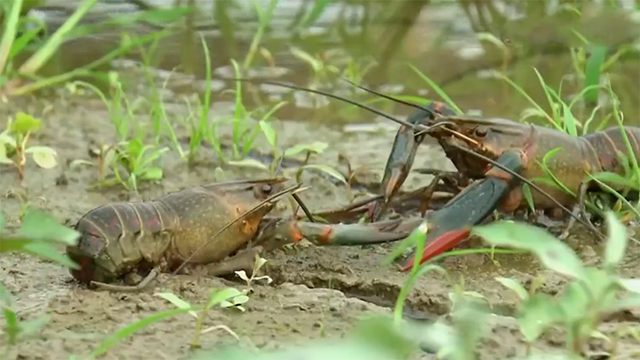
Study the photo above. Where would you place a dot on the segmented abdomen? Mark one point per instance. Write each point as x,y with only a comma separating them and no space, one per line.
605,145
119,236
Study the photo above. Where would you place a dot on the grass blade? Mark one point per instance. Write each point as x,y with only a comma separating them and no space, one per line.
127,331
35,62
11,27
593,71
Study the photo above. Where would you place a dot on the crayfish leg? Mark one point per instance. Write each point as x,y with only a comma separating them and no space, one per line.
127,288
243,261
579,209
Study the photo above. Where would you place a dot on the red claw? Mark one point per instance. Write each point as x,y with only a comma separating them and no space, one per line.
442,243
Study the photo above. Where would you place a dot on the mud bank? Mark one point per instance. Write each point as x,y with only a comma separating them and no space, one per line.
317,292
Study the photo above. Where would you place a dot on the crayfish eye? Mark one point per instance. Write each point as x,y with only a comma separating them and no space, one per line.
480,132
266,189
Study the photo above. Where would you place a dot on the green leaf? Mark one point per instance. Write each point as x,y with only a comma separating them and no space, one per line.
593,72
12,328
28,328
269,133
574,302
48,252
5,297
44,156
325,169
600,285
25,123
317,147
314,14
569,121
632,285
178,302
553,253
12,244
612,179
218,297
152,173
20,43
38,225
617,242
627,302
3,155
44,53
134,148
315,64
250,163
489,37
536,314
515,286
128,330
526,191
380,332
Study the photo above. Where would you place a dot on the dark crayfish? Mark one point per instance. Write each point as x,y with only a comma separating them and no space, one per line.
123,239
514,150
575,159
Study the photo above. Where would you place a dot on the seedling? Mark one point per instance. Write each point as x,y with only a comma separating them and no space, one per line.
256,267
39,235
13,144
228,297
321,70
138,161
592,293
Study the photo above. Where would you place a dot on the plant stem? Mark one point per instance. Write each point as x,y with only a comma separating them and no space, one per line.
10,33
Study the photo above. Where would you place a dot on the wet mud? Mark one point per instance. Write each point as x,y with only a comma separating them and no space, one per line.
316,292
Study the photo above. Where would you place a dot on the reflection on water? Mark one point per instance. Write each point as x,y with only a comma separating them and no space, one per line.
376,40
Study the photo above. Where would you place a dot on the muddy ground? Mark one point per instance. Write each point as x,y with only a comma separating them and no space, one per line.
316,293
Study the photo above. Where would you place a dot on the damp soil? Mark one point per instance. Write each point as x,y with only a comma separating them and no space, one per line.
316,293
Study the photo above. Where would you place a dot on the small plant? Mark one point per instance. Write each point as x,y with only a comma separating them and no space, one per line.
23,198
138,161
38,235
13,144
225,298
591,294
321,70
256,267
12,81
11,45
264,18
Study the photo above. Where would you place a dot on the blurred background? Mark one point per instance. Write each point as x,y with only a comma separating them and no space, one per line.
464,46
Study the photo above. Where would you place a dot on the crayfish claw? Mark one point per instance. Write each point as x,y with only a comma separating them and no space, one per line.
452,224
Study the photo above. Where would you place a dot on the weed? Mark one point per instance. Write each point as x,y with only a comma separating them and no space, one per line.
198,131
228,297
131,155
38,236
13,144
138,160
11,45
23,198
592,293
256,267
264,18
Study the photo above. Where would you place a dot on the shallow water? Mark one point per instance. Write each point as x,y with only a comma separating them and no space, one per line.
380,39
